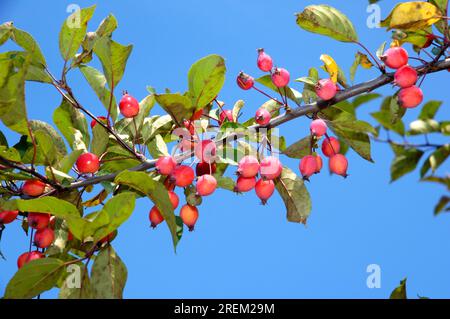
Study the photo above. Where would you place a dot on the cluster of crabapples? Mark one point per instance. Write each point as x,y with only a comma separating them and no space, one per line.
405,77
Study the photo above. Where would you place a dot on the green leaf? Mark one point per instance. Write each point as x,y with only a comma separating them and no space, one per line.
380,50
27,42
113,57
400,291
291,93
237,109
67,162
429,110
364,98
385,119
100,138
206,78
73,31
295,196
70,291
56,139
299,149
97,81
157,147
57,207
176,105
73,125
133,126
156,191
438,157
326,20
361,59
358,140
109,275
34,278
357,126
116,211
405,162
307,80
224,182
442,205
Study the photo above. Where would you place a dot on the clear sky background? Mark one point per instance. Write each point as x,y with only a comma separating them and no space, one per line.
241,249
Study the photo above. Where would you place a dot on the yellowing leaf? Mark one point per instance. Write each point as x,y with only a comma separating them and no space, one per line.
411,16
330,66
360,60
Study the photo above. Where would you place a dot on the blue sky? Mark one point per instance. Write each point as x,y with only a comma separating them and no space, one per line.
241,249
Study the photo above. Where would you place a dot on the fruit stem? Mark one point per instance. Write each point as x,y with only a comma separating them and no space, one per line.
267,95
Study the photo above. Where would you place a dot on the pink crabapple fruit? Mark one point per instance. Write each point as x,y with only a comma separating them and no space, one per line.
410,97
165,165
174,199
318,127
245,81
244,184
248,166
88,163
270,167
326,89
155,217
206,185
44,237
319,163
226,116
189,216
262,117
264,189
27,257
280,77
33,187
205,151
395,57
264,61
182,175
129,106
308,166
38,220
405,77
7,217
338,165
330,146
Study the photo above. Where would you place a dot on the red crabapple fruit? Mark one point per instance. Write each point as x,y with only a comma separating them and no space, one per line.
165,165
326,89
33,187
174,200
330,146
129,106
38,220
308,166
155,217
7,217
88,163
264,61
206,185
262,117
318,127
205,151
27,257
203,168
280,77
410,97
245,81
264,189
244,184
395,57
270,167
183,175
44,237
405,77
189,215
248,166
225,116
319,163
338,165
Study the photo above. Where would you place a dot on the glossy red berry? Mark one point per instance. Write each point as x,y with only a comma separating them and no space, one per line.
174,199
248,166
44,237
203,168
270,167
318,127
38,220
205,151
264,61
101,118
33,187
226,116
206,185
27,257
7,217
189,215
264,189
280,77
109,238
308,166
245,81
244,184
129,106
88,163
326,89
165,165
262,117
395,57
405,77
330,146
155,217
338,165
183,176
410,97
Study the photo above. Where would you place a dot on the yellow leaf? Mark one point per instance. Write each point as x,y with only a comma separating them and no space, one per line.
365,62
96,200
411,16
330,66
395,43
